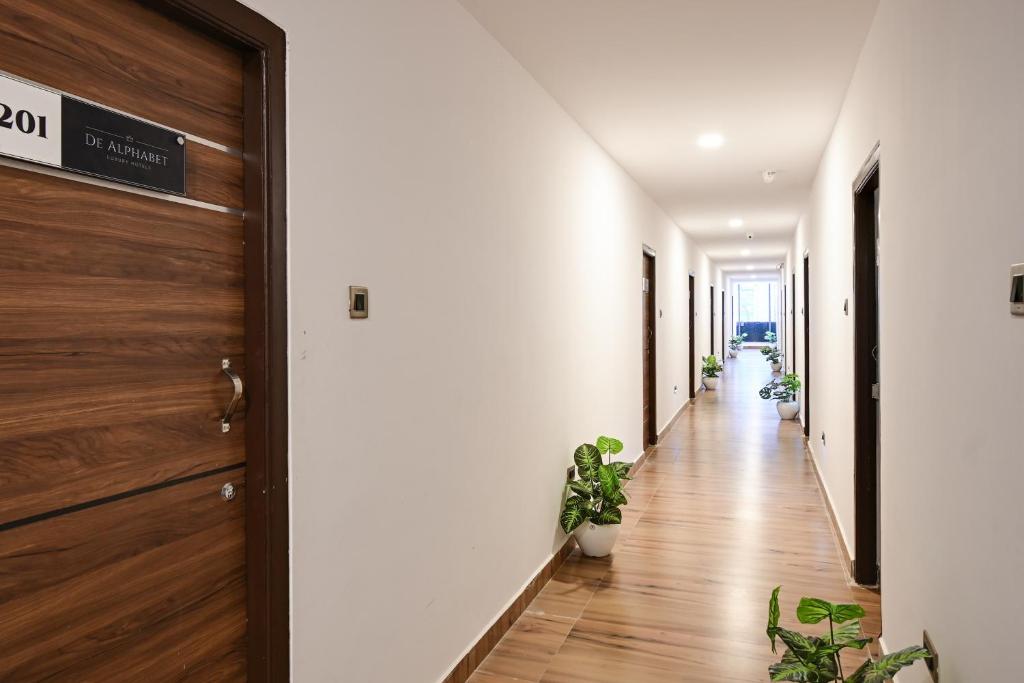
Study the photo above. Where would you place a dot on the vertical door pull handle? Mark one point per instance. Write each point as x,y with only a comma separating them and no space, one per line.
236,381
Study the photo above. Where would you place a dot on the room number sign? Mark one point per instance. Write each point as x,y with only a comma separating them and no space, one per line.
49,128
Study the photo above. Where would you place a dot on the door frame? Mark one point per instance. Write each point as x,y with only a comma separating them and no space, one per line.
693,342
724,344
807,344
650,301
865,408
712,321
262,45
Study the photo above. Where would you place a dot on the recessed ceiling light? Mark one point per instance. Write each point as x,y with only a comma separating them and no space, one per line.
745,252
750,267
710,141
736,223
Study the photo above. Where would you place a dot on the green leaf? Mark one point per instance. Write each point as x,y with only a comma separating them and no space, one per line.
622,469
587,459
888,666
848,635
610,484
619,498
581,488
607,444
773,616
609,516
802,646
791,668
814,610
571,518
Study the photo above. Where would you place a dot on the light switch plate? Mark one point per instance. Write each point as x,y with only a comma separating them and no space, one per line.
1017,289
358,302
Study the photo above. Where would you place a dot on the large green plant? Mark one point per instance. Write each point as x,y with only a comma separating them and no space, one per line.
815,659
784,389
736,342
711,366
773,355
596,492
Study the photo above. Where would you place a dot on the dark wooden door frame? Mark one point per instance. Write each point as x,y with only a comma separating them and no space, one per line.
652,359
807,345
266,320
712,321
865,408
792,318
693,341
724,344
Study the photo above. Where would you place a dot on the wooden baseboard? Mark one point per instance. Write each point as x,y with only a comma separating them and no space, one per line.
671,423
844,551
468,664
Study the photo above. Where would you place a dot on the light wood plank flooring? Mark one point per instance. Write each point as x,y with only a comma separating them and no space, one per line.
726,508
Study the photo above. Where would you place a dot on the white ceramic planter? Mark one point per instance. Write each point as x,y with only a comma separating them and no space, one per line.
597,540
710,383
788,409
776,367
733,353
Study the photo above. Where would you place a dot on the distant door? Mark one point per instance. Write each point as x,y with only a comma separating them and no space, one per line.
807,346
723,323
792,319
711,309
650,429
693,342
867,384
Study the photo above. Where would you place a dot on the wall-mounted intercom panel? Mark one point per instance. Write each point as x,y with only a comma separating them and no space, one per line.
1017,289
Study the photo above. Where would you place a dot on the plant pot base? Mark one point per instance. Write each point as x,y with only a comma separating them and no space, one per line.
788,409
710,383
597,540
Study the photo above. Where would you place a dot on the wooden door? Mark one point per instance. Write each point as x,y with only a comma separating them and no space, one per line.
867,378
807,346
650,429
123,507
692,313
711,321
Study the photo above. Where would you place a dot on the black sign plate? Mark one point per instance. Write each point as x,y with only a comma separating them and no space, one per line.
103,143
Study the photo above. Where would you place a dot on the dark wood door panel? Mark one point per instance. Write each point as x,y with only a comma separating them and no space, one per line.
151,587
64,468
113,234
213,176
123,55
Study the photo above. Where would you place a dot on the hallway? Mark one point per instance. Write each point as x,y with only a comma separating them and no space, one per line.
725,508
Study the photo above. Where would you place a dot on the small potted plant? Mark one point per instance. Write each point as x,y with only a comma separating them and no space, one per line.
774,357
771,337
592,509
735,344
784,391
710,371
817,657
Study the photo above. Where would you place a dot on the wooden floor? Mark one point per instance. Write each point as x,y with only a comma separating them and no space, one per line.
726,508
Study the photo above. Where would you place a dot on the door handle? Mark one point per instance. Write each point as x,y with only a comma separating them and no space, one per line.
236,382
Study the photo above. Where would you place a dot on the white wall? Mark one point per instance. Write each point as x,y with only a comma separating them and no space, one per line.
939,85
502,249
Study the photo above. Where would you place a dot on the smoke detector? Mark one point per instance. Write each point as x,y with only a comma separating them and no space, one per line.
768,175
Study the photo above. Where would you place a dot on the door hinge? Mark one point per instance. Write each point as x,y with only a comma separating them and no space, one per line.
645,285
875,391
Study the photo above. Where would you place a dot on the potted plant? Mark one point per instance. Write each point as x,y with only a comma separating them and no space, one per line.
774,357
710,371
735,344
595,496
784,391
816,658
771,337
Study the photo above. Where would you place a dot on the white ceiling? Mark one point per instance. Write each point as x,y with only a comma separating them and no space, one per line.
646,77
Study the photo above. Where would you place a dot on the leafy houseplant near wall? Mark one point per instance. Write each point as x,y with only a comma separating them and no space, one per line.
784,391
710,371
815,659
735,344
774,357
595,496
771,337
